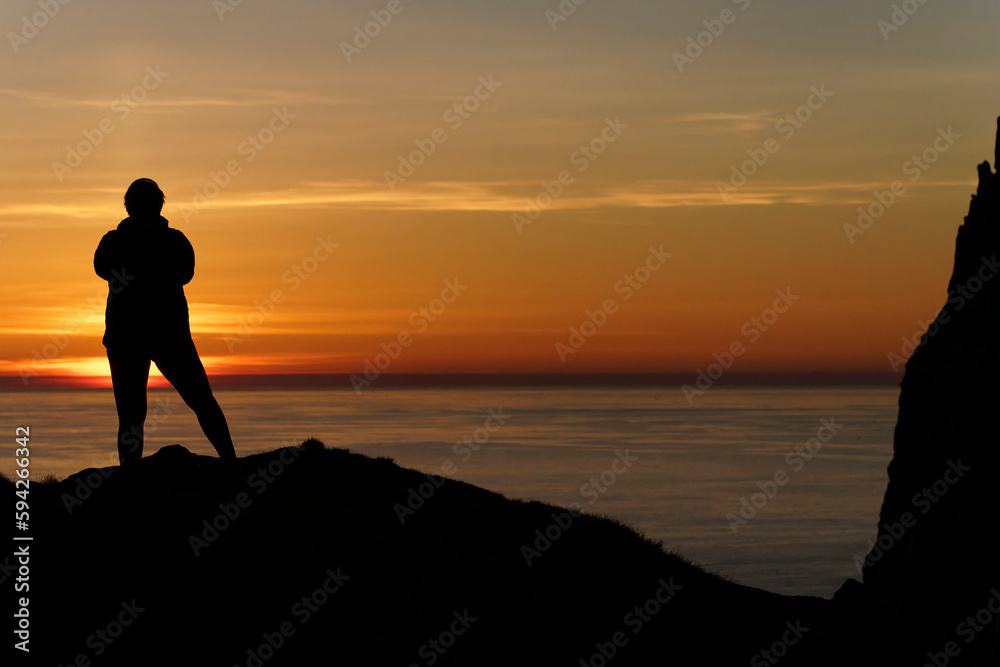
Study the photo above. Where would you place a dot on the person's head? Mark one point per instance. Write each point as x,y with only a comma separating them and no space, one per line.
144,198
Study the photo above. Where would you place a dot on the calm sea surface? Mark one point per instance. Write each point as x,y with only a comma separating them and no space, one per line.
693,464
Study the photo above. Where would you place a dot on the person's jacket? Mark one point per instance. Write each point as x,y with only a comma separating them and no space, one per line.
146,263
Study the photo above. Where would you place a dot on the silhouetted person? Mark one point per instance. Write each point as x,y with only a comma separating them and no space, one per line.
147,263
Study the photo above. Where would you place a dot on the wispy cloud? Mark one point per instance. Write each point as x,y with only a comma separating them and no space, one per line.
479,196
511,196
240,98
731,122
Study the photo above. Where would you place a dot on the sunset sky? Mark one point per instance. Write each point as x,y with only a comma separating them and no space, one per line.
274,130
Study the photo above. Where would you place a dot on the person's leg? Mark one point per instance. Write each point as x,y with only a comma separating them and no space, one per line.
183,369
129,374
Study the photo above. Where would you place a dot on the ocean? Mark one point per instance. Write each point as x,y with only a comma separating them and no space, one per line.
774,487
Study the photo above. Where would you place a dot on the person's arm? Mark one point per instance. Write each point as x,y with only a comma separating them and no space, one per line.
183,258
106,256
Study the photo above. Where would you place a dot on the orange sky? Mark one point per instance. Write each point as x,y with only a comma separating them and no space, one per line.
263,102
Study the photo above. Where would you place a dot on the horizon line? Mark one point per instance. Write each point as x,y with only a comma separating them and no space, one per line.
621,379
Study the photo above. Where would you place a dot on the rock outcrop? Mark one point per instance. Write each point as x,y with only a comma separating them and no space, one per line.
936,561
322,556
